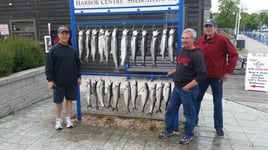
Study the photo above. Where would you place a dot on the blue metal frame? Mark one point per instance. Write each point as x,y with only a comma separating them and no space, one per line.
179,21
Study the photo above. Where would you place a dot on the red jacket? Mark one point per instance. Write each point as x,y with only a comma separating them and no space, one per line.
220,55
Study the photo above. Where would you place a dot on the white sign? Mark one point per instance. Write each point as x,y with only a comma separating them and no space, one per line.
4,29
48,44
257,72
121,3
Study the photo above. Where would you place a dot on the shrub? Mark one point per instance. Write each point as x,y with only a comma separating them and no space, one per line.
6,61
25,54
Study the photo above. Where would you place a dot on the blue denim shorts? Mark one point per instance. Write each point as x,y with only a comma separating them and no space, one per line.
59,92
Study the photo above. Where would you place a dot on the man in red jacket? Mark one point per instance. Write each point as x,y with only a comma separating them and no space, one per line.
221,58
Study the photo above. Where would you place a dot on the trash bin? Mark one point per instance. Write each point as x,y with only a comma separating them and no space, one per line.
240,44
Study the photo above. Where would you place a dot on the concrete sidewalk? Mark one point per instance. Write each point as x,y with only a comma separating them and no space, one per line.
33,128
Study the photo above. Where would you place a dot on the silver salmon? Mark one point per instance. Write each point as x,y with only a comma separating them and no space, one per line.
114,48
124,47
171,45
154,47
93,44
143,47
134,45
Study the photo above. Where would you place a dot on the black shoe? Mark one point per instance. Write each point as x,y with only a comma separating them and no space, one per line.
164,135
186,140
220,132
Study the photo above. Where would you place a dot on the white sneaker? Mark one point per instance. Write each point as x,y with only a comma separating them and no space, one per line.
69,123
58,125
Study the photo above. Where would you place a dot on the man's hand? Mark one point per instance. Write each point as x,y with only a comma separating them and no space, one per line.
171,73
186,88
51,85
225,77
78,81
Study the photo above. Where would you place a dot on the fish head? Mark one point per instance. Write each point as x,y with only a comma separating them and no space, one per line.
107,33
81,33
165,31
125,31
126,84
135,32
144,33
109,83
115,32
101,32
134,83
88,32
94,32
155,33
171,31
153,85
159,85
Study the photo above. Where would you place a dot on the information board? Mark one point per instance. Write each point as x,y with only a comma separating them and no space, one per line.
257,72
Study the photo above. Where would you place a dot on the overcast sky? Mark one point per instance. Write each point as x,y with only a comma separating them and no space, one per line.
250,5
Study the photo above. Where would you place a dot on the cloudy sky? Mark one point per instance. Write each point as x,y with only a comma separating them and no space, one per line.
249,5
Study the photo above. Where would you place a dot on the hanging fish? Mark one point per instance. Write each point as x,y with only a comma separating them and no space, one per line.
93,44
127,94
159,96
89,91
114,48
109,93
166,93
171,45
143,46
152,97
134,45
87,44
94,92
134,94
154,47
163,43
81,44
116,95
100,92
101,44
144,96
106,45
124,47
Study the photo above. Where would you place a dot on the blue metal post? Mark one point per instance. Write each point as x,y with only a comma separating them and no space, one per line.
180,28
73,28
78,105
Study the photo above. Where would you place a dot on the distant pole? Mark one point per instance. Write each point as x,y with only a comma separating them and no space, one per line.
238,20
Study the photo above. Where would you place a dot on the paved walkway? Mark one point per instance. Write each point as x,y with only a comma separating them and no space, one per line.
32,128
234,88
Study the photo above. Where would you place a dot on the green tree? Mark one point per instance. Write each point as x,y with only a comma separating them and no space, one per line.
228,10
263,18
249,22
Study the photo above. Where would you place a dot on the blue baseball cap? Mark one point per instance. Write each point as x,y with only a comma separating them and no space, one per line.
210,21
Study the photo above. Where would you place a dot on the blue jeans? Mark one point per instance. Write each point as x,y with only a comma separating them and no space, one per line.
216,86
188,99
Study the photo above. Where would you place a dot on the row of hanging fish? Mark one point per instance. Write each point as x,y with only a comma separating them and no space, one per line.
106,43
105,95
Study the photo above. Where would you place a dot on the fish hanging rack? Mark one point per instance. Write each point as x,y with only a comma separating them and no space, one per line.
120,9
123,9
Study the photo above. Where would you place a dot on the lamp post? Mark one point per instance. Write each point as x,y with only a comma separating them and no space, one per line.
237,21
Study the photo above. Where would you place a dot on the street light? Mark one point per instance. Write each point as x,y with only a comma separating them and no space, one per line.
237,21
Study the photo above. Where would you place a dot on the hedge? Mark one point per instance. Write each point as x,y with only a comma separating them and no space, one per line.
19,53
